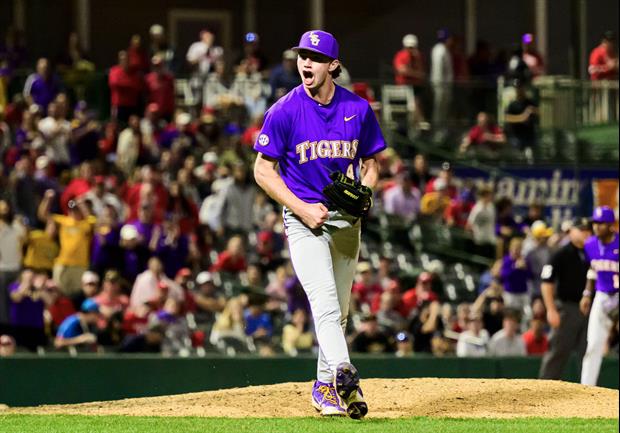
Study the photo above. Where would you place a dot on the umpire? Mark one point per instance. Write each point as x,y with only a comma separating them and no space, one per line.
563,281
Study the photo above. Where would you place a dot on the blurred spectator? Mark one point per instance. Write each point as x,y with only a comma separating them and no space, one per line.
402,200
111,300
149,190
75,233
238,202
159,85
78,328
248,87
604,59
507,341
535,339
232,259
409,69
252,55
457,213
129,145
148,341
152,285
514,276
56,132
364,287
370,338
425,325
284,77
481,222
85,135
388,314
99,198
13,48
42,86
297,335
12,235
404,345
420,175
78,186
506,226
7,346
413,298
522,121
89,289
201,57
106,252
485,138
159,47
446,173
517,69
230,323
539,254
209,301
442,77
26,309
434,204
177,339
258,323
125,89
532,58
473,342
490,305
57,306
137,57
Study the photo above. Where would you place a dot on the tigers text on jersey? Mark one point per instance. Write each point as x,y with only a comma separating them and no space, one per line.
310,140
603,260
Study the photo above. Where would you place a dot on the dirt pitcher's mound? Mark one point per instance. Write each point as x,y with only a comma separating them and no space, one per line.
390,398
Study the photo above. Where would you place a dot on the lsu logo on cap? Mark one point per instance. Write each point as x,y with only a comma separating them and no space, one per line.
314,39
263,140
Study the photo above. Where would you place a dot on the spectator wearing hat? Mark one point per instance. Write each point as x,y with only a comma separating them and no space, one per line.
158,46
26,309
457,212
365,287
563,280
209,300
284,77
434,204
409,70
75,234
57,307
446,173
604,59
370,338
77,329
42,86
89,289
125,89
159,84
7,346
508,341
539,253
473,342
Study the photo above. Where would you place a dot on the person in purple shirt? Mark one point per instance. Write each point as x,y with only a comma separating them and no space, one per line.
316,128
42,86
26,309
138,242
600,296
514,275
172,246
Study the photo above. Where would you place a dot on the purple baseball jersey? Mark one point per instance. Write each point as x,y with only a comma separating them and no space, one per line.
310,140
603,259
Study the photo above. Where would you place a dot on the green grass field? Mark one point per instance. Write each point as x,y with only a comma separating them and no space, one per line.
114,424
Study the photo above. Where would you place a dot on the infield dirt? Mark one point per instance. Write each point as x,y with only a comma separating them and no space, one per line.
387,398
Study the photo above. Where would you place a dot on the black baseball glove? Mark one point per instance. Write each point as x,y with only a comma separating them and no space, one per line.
348,195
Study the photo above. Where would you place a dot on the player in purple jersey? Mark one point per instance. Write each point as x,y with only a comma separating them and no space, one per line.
317,128
602,254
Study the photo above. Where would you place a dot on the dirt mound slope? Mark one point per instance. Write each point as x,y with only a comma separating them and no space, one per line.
387,398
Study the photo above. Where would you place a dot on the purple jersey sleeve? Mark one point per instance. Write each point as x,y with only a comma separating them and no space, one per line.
603,259
371,137
274,134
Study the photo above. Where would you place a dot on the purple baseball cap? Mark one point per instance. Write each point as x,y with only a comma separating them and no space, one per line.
320,42
604,214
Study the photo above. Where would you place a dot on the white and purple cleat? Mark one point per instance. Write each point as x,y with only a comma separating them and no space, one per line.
326,401
348,389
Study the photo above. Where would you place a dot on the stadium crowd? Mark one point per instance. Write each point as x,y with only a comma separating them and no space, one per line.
146,232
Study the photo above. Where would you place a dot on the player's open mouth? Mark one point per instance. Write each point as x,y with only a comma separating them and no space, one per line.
308,77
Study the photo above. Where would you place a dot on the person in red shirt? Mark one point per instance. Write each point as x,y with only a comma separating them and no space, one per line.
111,300
58,306
457,212
78,186
485,134
409,69
416,296
160,88
137,56
125,89
446,174
149,190
232,259
536,342
604,59
365,287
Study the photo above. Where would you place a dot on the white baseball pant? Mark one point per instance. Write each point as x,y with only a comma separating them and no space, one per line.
325,260
599,326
